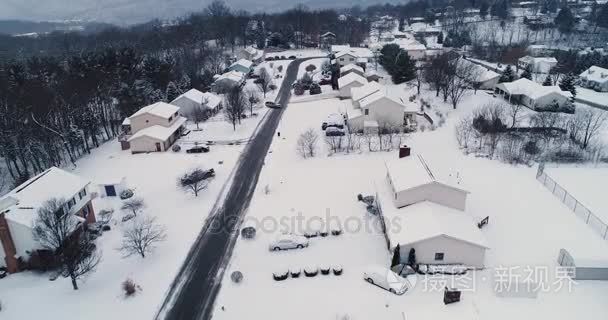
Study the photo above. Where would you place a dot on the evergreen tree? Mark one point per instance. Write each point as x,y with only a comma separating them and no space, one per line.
440,38
602,16
507,75
411,258
404,69
527,73
500,9
396,256
547,81
565,20
567,84
483,9
172,91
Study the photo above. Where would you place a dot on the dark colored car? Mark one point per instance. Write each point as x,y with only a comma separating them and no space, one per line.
324,81
272,104
198,149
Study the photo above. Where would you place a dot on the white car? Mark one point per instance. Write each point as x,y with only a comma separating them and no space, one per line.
386,279
288,241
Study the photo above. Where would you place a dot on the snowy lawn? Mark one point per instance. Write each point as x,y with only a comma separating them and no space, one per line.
527,228
316,74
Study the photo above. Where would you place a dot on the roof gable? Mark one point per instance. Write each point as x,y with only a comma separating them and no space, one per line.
159,109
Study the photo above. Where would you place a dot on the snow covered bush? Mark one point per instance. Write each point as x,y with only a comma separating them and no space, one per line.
307,143
280,275
248,232
311,271
337,270
129,287
236,276
295,272
134,205
325,270
126,194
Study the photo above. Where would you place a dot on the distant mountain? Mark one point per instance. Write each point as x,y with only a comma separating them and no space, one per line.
136,11
32,28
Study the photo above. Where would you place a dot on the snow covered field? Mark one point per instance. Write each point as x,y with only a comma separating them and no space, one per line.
305,190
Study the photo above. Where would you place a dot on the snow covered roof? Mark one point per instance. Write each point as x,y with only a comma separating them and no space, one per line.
242,62
370,124
530,89
328,34
251,50
426,220
482,73
383,92
232,76
534,60
340,47
413,171
350,78
595,74
359,93
351,67
212,100
159,132
160,109
126,122
24,201
345,52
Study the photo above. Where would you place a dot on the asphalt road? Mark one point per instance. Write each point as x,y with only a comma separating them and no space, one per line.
193,292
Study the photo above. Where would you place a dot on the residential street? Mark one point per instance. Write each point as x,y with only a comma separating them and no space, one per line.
193,292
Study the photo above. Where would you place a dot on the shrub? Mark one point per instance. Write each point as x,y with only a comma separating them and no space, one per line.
325,270
280,275
298,90
337,269
176,148
531,148
236,276
336,232
311,271
106,228
269,58
280,68
272,87
129,287
126,194
292,57
248,232
323,234
315,89
295,272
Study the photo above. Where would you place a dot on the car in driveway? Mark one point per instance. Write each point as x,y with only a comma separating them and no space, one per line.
386,279
198,149
272,104
288,241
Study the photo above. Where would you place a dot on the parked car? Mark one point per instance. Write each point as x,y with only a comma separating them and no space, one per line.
333,132
288,241
198,149
386,279
272,104
292,57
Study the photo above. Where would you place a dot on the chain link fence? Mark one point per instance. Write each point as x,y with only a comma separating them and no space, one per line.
579,209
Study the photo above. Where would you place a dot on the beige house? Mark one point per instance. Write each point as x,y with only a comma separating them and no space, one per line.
154,128
532,94
192,99
537,64
377,105
349,81
595,78
346,57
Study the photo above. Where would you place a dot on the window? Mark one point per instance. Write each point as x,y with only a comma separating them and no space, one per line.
351,59
82,193
438,256
367,112
71,203
341,59
170,118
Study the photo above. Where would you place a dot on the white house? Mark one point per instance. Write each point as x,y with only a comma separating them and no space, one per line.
250,53
532,94
386,109
339,47
155,128
243,65
346,57
20,207
482,77
193,98
537,64
438,234
414,49
348,82
228,80
595,78
361,92
351,68
412,180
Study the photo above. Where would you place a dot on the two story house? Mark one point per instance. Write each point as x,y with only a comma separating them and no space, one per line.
20,207
153,128
595,78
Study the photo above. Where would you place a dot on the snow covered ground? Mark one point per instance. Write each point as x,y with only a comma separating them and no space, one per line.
527,228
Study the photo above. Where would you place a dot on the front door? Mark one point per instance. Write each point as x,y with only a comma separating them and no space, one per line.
158,146
110,191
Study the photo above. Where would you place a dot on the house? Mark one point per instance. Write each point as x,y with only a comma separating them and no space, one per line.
482,77
384,108
351,68
242,65
348,82
372,75
111,186
19,211
327,40
339,47
412,180
192,99
155,128
533,95
228,80
346,57
429,214
595,78
537,64
250,53
414,49
359,93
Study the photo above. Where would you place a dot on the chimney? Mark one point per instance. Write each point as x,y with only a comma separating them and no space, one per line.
404,151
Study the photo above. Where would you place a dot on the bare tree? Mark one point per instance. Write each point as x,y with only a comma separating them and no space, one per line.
252,99
134,205
200,113
60,232
334,143
141,237
586,124
514,113
464,131
264,81
353,141
3,181
195,180
457,83
234,106
307,143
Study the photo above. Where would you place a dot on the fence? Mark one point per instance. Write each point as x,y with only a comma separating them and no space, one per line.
579,209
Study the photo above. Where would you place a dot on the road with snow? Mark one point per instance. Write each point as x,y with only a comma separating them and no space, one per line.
193,291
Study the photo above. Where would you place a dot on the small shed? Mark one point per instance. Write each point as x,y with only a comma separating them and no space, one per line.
111,186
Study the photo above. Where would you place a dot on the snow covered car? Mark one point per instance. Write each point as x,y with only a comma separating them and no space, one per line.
333,131
198,149
386,279
272,104
288,241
